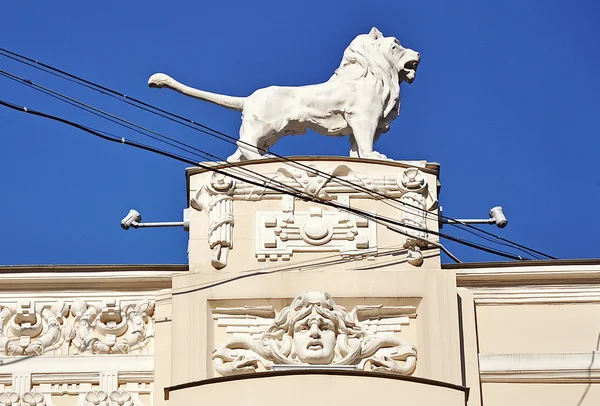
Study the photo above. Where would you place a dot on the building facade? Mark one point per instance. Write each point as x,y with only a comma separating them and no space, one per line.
285,297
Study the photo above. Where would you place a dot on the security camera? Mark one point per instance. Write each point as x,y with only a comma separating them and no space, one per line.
131,220
497,214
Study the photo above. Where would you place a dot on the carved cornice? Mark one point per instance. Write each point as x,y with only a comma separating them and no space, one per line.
81,368
530,273
429,167
88,277
93,268
540,368
432,168
537,295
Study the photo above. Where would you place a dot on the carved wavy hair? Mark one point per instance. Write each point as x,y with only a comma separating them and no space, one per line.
279,336
370,53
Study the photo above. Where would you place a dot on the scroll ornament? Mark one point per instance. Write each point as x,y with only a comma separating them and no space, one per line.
28,328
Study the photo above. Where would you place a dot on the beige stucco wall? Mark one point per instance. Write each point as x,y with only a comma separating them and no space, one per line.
519,333
435,329
539,328
495,394
331,389
531,332
483,327
64,373
384,279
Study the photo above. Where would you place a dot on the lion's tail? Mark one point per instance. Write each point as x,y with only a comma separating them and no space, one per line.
162,80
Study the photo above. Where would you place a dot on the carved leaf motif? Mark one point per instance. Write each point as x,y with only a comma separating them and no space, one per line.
121,398
96,398
8,398
78,307
34,398
63,328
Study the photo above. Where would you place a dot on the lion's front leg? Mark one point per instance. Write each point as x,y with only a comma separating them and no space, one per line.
375,154
353,147
363,133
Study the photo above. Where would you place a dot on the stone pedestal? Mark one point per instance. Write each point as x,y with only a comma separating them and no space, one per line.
278,283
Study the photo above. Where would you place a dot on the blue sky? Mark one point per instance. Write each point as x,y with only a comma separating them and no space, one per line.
506,100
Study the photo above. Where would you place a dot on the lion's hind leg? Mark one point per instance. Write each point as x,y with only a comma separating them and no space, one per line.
235,157
252,135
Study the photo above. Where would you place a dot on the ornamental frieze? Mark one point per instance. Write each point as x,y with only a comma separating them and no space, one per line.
107,326
314,331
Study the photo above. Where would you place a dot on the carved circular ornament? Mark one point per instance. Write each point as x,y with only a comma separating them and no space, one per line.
411,178
316,231
20,328
220,183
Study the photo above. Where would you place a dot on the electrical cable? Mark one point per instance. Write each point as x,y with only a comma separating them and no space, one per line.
128,124
302,266
298,194
103,90
115,119
125,123
112,118
497,242
509,243
88,83
97,112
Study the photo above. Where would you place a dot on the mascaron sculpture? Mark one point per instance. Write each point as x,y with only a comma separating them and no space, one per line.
361,99
313,330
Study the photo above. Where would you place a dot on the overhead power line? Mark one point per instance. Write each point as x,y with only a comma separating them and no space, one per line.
386,221
170,116
215,133
203,129
330,260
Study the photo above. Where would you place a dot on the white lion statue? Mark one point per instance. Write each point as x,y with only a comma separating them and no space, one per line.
361,99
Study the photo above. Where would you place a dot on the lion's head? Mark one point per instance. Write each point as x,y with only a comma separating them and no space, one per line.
405,60
382,57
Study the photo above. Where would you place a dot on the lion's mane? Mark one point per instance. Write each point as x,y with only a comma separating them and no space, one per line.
371,56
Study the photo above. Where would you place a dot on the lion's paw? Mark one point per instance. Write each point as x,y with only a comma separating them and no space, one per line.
376,155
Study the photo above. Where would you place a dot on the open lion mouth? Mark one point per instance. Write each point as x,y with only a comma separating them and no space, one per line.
411,65
410,70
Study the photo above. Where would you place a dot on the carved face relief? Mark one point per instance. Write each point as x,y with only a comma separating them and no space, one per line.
313,330
315,339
